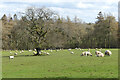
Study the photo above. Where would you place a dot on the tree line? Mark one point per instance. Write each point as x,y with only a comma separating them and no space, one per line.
44,28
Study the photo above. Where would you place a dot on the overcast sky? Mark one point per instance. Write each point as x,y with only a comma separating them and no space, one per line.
86,10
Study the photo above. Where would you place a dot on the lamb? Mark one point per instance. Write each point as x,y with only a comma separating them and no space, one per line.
108,52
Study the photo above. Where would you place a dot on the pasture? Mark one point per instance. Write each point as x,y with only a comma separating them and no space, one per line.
60,64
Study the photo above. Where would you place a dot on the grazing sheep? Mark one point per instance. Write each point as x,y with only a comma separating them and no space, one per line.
69,49
72,52
96,48
30,50
15,53
47,53
40,53
11,57
100,55
108,52
10,52
97,52
22,51
86,53
76,48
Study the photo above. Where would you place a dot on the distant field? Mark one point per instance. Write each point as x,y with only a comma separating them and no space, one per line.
60,64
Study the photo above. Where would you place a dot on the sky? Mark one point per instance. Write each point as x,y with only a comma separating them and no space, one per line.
86,10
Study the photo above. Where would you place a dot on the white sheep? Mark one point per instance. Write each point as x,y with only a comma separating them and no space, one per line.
76,48
100,55
108,52
72,52
86,53
30,50
10,52
15,53
69,49
47,53
22,51
40,53
11,57
98,52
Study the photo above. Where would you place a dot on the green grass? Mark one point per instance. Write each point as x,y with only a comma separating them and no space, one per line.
60,64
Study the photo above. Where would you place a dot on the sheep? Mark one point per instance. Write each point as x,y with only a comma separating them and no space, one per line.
15,53
22,51
100,55
72,52
47,53
97,52
10,52
11,57
108,52
40,53
30,50
86,53
69,49
76,48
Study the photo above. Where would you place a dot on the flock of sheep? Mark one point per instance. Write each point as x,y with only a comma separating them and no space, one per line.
98,53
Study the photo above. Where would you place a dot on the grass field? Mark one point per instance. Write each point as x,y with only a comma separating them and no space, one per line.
60,64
